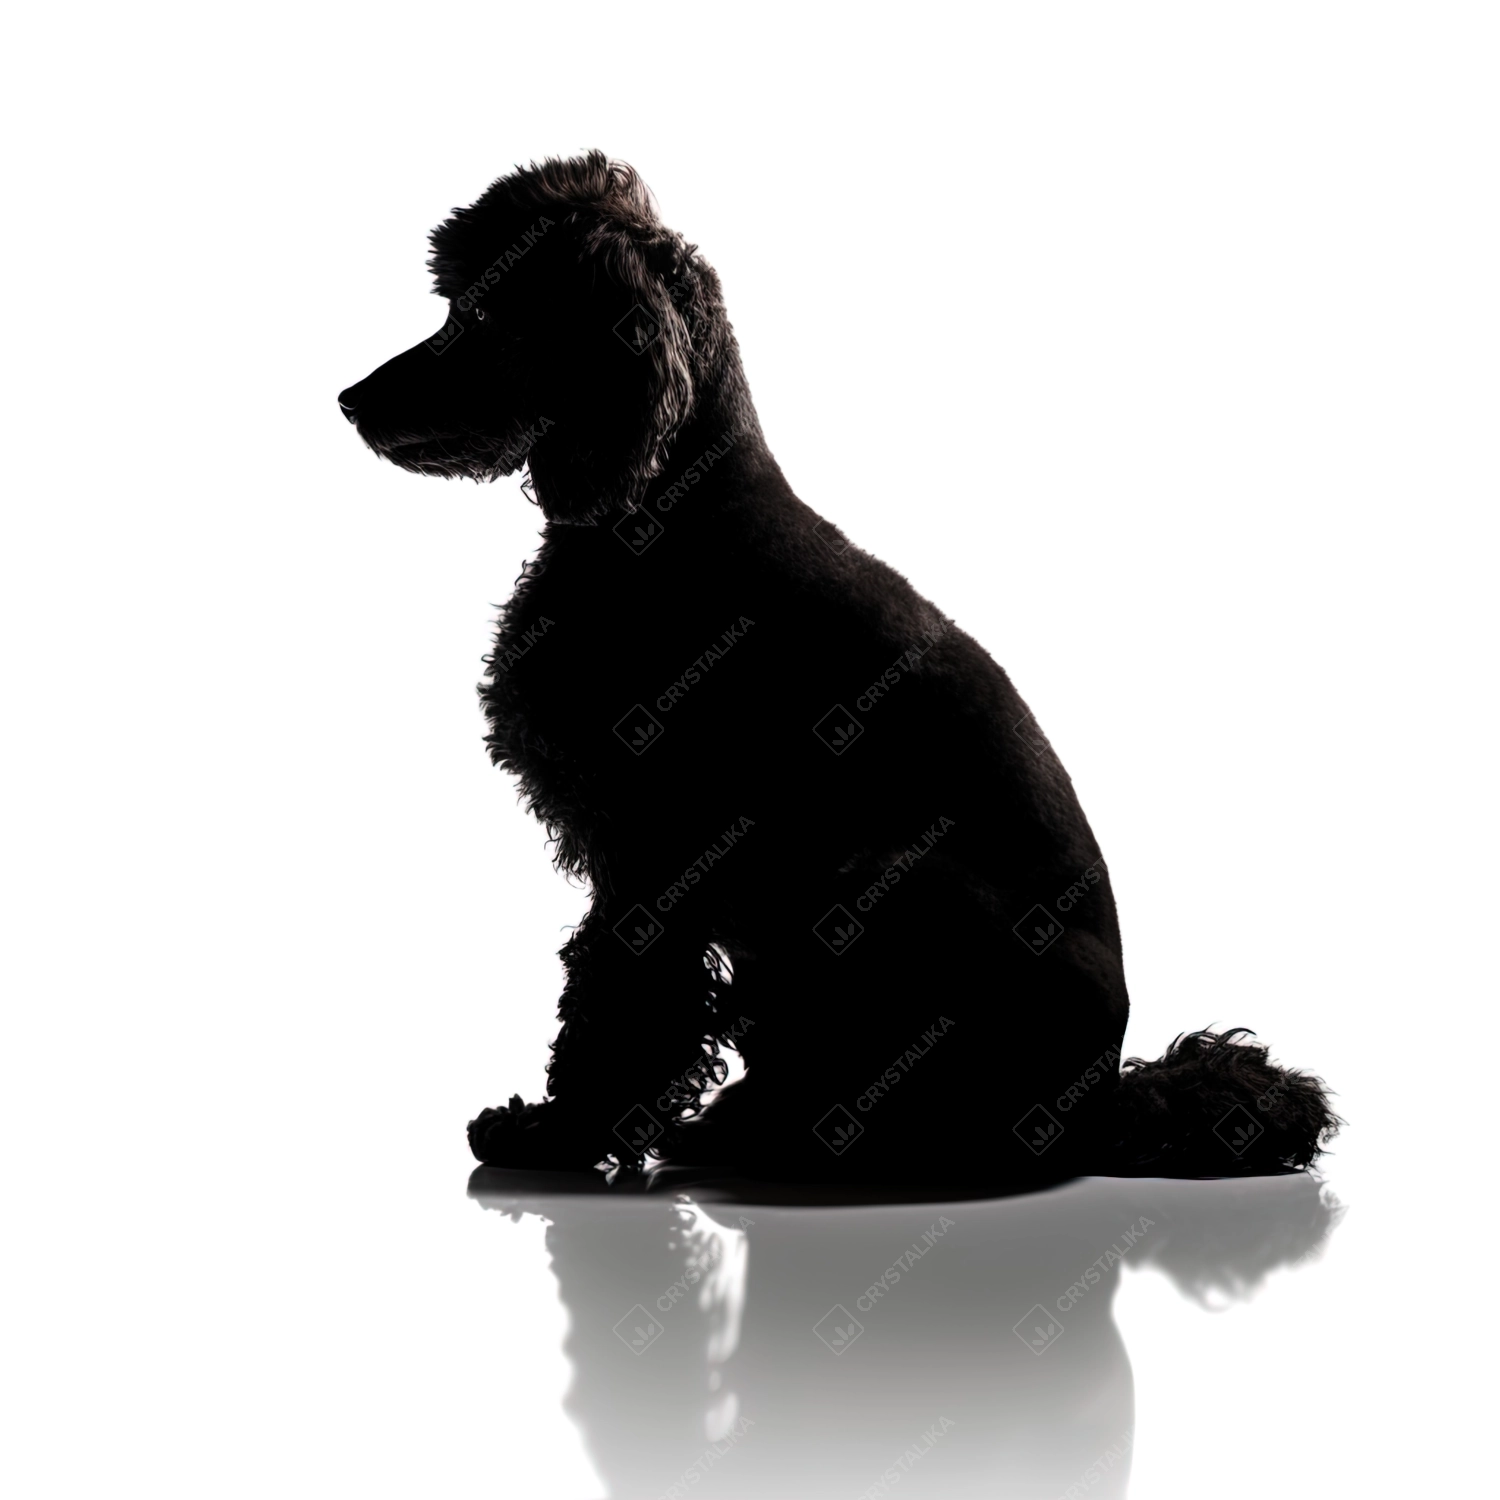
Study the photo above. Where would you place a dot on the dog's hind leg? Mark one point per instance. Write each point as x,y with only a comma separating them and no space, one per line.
911,1034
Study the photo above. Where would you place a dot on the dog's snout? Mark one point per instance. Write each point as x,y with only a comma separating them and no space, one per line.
347,403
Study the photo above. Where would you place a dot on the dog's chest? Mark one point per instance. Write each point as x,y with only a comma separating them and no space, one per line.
563,654
596,646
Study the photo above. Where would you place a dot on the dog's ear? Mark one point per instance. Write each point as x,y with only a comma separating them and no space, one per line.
632,370
653,329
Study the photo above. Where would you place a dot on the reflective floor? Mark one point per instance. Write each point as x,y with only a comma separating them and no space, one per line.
727,1341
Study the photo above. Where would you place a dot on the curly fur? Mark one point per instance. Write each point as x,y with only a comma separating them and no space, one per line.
1174,1117
816,819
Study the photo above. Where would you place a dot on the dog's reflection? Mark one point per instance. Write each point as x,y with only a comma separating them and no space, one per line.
726,1345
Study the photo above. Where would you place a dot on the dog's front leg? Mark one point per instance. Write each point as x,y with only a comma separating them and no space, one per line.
637,1012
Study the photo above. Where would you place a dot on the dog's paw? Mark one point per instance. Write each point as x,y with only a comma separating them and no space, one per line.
532,1135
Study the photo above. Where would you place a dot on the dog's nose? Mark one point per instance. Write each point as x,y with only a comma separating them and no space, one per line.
346,403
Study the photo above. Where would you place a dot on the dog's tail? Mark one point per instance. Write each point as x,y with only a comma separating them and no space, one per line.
1214,1106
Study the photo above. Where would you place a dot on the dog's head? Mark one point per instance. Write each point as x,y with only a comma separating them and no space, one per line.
580,332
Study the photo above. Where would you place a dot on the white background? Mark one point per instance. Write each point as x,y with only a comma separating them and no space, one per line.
1156,343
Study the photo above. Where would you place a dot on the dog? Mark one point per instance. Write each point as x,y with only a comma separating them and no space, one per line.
818,823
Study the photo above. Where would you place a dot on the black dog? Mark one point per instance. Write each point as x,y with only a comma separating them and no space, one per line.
817,820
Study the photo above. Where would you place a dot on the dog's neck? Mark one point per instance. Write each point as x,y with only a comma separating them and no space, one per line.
722,432
723,418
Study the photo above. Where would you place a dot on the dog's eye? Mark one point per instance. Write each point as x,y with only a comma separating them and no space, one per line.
479,315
